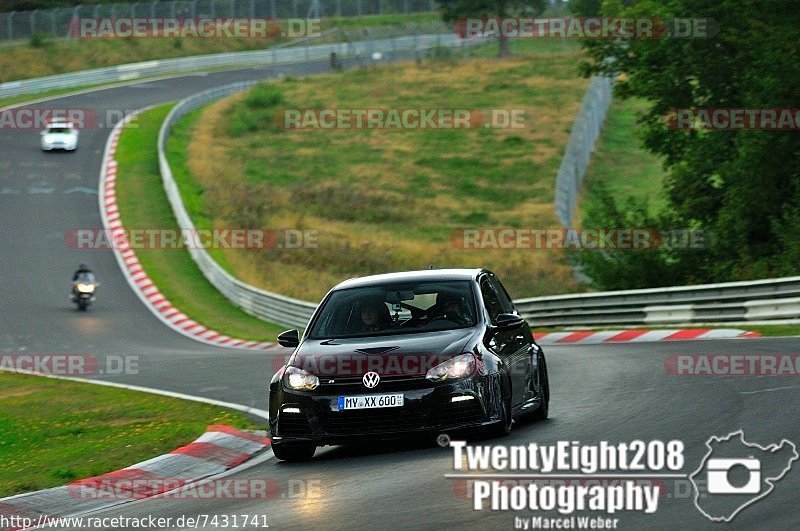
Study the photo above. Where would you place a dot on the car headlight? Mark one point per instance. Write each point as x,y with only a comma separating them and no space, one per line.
458,367
300,380
86,288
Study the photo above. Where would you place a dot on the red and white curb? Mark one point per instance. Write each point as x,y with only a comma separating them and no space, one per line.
640,336
219,449
132,269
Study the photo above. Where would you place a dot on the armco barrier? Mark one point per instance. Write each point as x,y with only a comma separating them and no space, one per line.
269,306
709,303
380,39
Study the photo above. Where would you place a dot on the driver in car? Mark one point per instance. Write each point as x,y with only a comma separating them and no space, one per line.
451,307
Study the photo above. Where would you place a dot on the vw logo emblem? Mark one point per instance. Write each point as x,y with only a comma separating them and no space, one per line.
371,379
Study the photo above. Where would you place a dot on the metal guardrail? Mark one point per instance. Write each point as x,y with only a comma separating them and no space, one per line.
269,306
266,305
725,302
361,43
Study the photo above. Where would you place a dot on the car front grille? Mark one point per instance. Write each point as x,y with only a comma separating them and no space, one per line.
355,384
457,413
293,424
374,421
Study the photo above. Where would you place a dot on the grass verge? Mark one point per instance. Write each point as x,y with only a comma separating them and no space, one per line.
143,204
387,200
621,163
53,432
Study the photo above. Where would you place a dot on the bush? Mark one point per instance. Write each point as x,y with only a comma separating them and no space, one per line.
632,269
39,40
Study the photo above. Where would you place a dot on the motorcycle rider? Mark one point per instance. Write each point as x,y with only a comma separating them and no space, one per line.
83,275
82,269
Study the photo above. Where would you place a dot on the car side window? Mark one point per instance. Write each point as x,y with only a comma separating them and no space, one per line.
502,295
491,301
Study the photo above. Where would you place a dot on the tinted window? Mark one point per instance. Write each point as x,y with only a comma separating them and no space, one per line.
490,300
392,309
502,295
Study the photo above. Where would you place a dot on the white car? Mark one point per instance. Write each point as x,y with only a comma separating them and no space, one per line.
60,135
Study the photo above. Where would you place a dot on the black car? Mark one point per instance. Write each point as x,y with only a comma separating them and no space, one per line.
423,352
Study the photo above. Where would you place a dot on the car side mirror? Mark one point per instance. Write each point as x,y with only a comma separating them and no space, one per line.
290,338
508,321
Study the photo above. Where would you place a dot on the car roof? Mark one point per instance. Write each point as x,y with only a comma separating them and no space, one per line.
59,124
413,276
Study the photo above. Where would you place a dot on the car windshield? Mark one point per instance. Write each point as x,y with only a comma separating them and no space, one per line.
396,309
58,130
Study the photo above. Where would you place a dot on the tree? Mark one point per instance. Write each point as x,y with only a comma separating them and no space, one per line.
459,10
741,186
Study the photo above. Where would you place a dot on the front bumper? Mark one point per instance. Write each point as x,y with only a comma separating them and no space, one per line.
426,410
59,146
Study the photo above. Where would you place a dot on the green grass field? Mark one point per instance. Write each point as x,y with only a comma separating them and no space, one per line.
143,204
53,432
392,200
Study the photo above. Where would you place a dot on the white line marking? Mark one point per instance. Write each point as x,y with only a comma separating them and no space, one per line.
768,390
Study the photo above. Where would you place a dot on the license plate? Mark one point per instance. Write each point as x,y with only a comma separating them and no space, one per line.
369,401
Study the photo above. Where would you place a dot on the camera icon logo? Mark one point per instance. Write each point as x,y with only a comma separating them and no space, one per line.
736,473
718,476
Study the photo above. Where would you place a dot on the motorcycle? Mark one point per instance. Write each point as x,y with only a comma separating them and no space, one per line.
83,292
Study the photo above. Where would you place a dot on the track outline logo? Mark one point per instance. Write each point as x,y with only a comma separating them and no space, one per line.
770,481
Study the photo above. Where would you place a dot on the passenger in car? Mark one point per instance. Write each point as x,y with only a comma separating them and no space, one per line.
375,316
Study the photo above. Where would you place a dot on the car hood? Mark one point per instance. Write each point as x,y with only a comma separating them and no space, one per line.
400,355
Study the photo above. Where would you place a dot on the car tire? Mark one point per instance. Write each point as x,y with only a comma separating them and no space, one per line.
543,411
294,453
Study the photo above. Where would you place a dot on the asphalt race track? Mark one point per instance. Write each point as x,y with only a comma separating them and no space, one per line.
599,392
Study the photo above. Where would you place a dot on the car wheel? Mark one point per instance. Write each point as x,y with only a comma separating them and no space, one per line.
297,452
543,411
